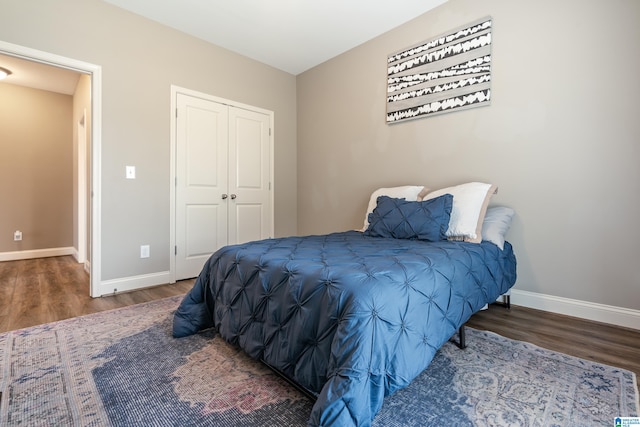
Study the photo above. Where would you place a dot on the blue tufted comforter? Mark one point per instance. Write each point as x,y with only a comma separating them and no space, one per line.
350,317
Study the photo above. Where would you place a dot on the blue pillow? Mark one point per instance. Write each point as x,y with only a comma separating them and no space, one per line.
400,219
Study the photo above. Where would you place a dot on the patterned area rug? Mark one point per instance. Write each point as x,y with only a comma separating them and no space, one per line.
123,368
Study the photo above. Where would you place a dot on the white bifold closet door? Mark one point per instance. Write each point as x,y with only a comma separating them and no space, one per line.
222,179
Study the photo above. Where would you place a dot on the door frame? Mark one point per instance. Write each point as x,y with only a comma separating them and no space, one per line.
82,177
95,73
175,90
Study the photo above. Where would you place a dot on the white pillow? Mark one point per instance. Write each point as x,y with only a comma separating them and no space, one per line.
497,222
470,203
410,193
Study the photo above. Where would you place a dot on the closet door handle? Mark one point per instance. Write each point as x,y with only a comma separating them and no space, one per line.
224,196
233,196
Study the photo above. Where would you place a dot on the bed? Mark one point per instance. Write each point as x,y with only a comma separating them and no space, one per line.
353,316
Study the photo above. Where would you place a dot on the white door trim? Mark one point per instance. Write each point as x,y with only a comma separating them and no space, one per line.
95,71
172,176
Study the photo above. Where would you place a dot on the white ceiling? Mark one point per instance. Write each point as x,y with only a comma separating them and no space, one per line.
291,35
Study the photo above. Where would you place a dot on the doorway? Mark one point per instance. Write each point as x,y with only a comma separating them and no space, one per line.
92,262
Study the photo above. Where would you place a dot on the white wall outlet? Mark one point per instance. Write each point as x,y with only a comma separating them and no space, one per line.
131,172
144,251
17,236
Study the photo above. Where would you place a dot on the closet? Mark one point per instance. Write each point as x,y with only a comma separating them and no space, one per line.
223,170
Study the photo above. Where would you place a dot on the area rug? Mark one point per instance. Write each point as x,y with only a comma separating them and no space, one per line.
123,368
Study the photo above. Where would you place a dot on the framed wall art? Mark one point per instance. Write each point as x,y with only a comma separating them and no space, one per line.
451,72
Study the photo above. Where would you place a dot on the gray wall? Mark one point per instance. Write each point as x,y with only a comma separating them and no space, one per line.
140,60
560,139
36,178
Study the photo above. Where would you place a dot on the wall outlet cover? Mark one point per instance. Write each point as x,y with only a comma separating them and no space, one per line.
144,251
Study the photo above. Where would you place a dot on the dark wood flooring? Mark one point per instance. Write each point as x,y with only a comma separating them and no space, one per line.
44,290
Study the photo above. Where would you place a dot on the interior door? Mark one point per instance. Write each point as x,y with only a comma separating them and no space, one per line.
249,176
201,182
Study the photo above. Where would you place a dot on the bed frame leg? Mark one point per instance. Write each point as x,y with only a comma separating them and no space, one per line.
506,302
462,342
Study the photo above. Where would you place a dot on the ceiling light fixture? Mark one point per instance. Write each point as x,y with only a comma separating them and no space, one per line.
4,73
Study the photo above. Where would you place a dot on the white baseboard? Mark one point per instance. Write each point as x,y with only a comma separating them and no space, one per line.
619,316
125,284
35,253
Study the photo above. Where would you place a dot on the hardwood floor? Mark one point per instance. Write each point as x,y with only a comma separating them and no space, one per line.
44,290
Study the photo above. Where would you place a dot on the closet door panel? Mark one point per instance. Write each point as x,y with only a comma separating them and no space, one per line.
249,173
201,182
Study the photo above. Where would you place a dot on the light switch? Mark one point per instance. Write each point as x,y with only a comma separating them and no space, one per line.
131,172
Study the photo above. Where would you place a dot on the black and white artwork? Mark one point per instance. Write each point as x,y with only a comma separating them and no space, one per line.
451,72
